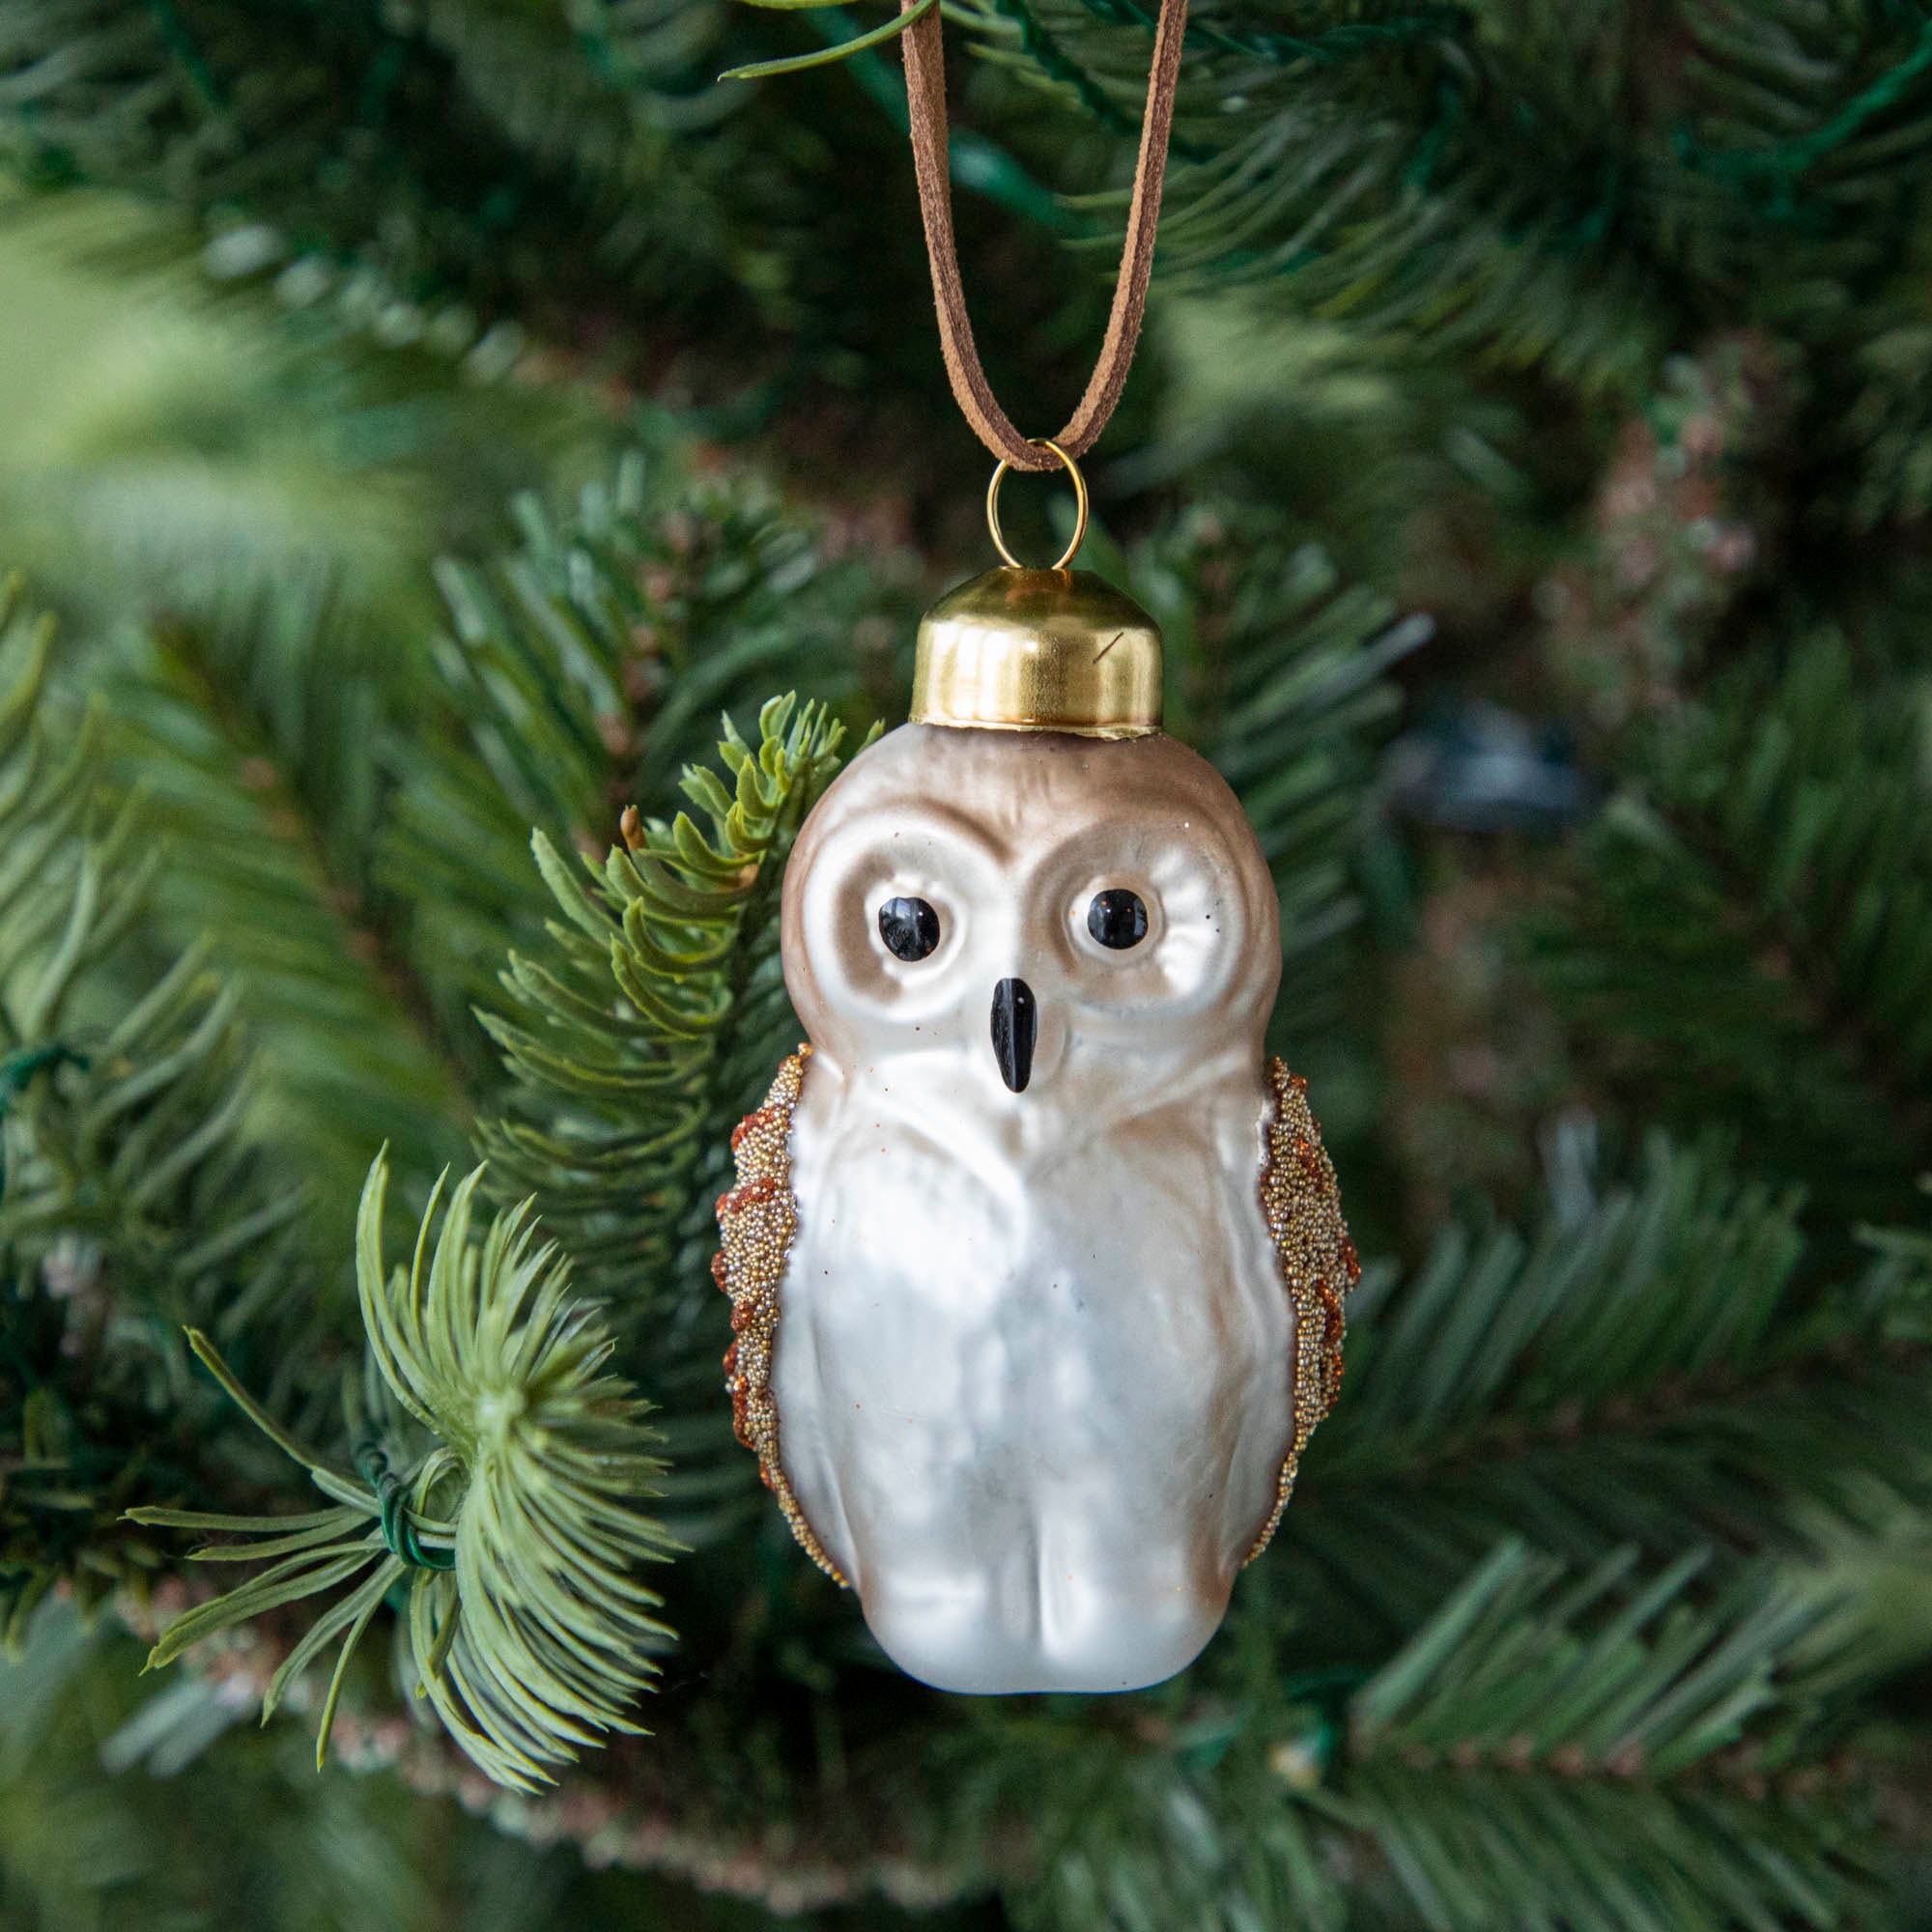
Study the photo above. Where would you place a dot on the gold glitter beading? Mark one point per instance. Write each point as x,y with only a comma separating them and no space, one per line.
758,1220
1318,1261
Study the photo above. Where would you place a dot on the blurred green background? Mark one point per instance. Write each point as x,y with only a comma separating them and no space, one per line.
421,420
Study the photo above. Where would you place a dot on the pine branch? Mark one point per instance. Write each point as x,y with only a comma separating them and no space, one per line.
1590,1749
238,535
462,175
517,1535
1575,1745
273,835
638,1037
1277,672
120,1798
413,145
642,1032
1661,1361
132,1194
581,674
1552,185
1406,167
1753,939
579,678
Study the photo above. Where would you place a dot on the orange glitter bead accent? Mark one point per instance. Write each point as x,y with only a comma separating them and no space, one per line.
1303,1209
757,1221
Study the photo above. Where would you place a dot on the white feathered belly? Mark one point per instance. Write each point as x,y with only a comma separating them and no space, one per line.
1035,1416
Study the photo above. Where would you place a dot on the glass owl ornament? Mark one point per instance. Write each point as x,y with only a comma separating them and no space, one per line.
1035,1261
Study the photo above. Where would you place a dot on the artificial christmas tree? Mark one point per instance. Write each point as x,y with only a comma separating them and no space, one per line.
425,422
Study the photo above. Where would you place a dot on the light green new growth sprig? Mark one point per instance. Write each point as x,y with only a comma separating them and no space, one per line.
529,1630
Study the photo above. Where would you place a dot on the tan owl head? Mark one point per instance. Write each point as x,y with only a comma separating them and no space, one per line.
1048,918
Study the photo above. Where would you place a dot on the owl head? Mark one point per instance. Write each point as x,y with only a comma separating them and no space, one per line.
1050,919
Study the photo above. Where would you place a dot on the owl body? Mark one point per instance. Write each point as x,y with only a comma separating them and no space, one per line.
1033,1388
1030,1326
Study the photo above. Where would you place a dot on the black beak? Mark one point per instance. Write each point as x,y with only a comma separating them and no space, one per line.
1016,1027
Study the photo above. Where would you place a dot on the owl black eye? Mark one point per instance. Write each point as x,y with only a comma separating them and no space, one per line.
1117,918
910,929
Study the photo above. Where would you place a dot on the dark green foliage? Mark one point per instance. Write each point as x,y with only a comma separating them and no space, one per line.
1621,1755
1603,1748
1751,934
132,1196
1276,672
1657,1362
102,1784
452,176
434,151
586,669
1568,190
251,748
1518,177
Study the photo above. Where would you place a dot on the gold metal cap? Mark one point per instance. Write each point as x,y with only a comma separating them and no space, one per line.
1038,650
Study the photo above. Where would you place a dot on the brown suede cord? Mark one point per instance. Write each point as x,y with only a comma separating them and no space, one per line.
926,88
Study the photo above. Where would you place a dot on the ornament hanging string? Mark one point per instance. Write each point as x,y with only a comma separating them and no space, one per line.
926,88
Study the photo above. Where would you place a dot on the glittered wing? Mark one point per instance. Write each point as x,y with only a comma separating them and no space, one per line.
757,1221
1319,1266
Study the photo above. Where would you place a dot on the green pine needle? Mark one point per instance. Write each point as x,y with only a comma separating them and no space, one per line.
540,1636
1604,1730
824,56
651,1018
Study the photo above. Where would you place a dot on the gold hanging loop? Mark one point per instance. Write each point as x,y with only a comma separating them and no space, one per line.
1073,469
